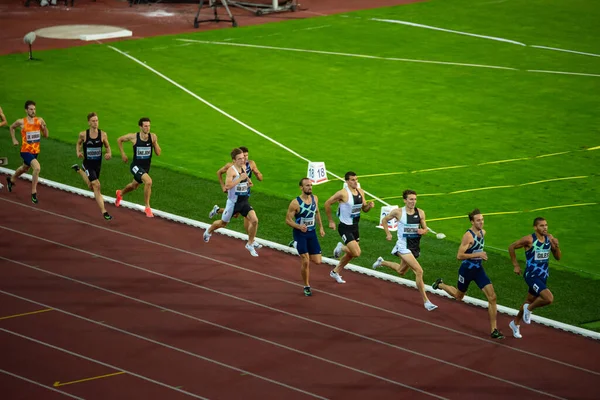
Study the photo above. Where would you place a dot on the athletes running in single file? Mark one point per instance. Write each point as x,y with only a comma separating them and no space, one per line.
411,226
144,144
237,185
92,140
351,201
471,253
251,168
538,247
32,129
303,216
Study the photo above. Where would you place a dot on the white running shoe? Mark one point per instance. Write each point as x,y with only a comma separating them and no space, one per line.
516,329
257,245
207,236
43,3
338,250
526,313
377,263
337,277
213,212
429,306
250,248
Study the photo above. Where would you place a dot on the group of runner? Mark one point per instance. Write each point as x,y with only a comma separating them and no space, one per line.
303,216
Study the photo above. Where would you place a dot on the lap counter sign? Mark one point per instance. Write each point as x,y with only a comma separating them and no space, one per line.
317,173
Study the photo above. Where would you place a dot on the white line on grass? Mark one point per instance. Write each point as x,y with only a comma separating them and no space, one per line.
394,21
40,384
565,50
231,117
334,53
562,72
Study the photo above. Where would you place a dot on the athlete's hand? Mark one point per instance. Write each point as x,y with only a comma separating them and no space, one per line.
124,158
482,255
79,154
303,228
15,142
553,241
370,205
331,224
107,156
223,187
243,176
388,236
322,231
517,269
422,231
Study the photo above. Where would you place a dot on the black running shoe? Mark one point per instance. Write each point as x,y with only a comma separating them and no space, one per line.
34,199
9,184
307,291
75,167
436,284
497,335
107,216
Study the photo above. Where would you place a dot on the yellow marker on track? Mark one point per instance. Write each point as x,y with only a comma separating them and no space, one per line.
27,313
59,384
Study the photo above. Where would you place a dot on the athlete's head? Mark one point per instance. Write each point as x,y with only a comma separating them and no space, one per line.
476,218
237,156
410,198
351,179
144,124
93,120
306,186
30,108
244,149
541,226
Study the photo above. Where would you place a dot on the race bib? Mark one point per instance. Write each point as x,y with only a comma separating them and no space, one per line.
32,137
94,153
355,211
143,152
309,222
542,255
477,251
241,188
410,230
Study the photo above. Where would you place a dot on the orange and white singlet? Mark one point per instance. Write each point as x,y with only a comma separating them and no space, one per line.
30,136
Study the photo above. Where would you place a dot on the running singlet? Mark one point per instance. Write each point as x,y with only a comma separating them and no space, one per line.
239,190
537,258
477,247
349,212
142,151
408,227
306,216
30,136
92,148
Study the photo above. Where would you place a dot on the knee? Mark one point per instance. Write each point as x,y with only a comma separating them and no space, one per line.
492,298
549,298
95,185
36,169
418,272
355,253
148,182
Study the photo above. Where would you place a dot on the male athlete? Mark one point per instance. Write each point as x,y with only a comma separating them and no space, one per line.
237,185
302,215
411,225
32,129
471,269
538,247
144,143
352,202
92,140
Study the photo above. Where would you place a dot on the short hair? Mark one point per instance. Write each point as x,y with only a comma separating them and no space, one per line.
244,149
407,193
349,174
473,213
93,114
235,152
538,220
301,183
142,120
29,103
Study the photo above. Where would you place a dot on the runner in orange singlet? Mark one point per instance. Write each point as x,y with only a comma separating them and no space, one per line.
32,129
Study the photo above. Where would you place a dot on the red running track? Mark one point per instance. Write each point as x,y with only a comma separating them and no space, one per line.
171,317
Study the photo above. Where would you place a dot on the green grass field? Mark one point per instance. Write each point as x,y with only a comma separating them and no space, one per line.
439,129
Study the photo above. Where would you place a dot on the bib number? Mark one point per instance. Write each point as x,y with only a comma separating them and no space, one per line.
241,188
32,137
355,212
410,230
309,222
94,153
542,255
144,152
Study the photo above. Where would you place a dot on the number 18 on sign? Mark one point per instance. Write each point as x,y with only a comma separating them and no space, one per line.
317,172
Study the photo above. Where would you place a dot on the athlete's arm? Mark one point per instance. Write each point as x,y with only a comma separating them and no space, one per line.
467,241
44,127
80,140
395,213
2,118
157,149
17,124
423,230
336,198
318,215
293,209
232,180
525,242
220,172
366,207
255,170
130,137
554,247
108,153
